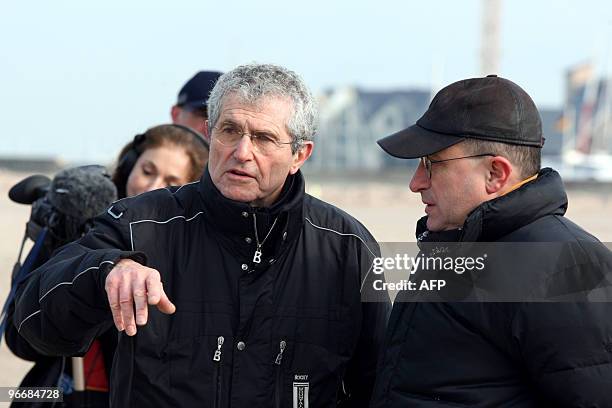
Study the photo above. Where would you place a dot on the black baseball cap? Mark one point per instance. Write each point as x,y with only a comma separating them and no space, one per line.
194,94
490,108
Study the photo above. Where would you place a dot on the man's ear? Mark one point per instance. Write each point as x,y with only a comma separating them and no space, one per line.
174,113
501,175
301,156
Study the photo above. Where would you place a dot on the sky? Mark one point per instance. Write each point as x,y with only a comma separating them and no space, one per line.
78,79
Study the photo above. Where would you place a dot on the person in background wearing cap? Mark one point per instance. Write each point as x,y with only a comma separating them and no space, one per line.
479,177
191,105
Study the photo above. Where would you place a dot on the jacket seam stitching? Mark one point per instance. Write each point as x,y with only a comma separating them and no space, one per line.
183,185
58,285
73,279
345,234
160,222
24,320
340,233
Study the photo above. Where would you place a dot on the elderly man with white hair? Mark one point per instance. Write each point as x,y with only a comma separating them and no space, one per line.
237,290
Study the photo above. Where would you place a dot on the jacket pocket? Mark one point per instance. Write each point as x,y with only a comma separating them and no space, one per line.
197,361
306,375
196,368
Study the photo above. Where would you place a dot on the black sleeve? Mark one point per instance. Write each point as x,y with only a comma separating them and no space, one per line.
17,344
567,349
62,306
360,376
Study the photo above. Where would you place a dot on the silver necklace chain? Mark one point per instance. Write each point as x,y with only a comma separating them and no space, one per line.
257,255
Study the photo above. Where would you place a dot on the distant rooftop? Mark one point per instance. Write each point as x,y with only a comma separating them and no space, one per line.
31,164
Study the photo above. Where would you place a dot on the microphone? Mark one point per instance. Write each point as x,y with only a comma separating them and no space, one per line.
62,211
72,199
82,192
29,189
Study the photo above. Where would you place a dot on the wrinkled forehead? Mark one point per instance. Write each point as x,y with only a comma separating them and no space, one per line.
276,109
257,102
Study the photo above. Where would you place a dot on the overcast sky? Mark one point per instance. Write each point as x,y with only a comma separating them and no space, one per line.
78,79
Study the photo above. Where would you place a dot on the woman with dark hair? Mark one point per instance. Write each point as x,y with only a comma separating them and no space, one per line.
163,156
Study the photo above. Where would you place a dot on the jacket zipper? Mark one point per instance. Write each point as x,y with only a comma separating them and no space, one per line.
279,377
344,393
217,359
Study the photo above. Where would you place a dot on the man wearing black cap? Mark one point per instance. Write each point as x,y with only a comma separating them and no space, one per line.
190,108
480,180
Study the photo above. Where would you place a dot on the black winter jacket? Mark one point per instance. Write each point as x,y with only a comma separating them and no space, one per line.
51,371
244,334
462,354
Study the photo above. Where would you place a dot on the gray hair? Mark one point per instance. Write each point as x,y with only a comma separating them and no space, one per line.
253,82
526,159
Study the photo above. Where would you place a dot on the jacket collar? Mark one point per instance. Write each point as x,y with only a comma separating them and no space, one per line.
234,219
496,218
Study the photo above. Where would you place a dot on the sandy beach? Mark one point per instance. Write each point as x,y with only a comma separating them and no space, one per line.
387,208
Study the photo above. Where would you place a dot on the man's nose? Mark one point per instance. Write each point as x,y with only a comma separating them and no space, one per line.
244,149
420,181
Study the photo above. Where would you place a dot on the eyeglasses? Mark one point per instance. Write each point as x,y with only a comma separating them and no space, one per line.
427,162
229,135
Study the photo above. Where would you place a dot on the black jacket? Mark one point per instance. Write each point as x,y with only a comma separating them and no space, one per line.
244,334
53,371
469,354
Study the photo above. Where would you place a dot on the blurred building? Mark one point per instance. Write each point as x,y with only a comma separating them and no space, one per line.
553,144
353,119
587,120
586,126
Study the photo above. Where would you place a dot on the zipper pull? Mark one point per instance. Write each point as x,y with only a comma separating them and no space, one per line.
279,357
217,356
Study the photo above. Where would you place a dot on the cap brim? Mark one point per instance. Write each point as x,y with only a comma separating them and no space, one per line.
415,142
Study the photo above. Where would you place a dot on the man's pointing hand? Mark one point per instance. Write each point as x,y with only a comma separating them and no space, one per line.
130,284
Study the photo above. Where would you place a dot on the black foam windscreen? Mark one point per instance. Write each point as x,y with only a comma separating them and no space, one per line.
29,189
82,192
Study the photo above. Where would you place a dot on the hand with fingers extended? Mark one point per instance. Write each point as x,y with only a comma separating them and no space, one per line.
130,288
